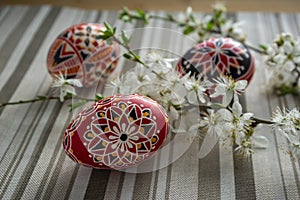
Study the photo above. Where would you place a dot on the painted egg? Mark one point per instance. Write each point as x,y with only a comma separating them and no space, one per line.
218,56
78,53
116,132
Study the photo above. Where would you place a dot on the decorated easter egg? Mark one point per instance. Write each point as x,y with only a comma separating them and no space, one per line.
218,56
116,132
78,53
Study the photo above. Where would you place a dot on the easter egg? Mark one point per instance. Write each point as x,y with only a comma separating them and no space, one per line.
116,132
218,56
77,53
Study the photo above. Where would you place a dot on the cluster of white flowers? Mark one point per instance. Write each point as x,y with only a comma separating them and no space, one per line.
161,82
229,122
188,102
284,63
288,123
218,24
66,86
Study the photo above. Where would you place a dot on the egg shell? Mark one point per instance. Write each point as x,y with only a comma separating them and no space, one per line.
77,53
116,132
218,56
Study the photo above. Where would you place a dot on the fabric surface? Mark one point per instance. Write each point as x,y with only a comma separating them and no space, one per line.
33,164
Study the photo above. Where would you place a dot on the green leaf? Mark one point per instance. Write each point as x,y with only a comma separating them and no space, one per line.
128,56
188,30
99,97
108,27
263,47
125,38
42,97
210,25
140,12
76,105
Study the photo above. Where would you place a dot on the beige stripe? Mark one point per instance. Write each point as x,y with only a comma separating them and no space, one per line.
3,12
128,186
22,45
114,178
12,19
285,160
46,154
81,183
290,24
227,182
271,175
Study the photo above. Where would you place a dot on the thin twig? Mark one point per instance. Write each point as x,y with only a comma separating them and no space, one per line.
44,98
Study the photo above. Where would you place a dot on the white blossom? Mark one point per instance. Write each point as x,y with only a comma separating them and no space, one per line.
66,86
283,61
288,124
196,90
228,89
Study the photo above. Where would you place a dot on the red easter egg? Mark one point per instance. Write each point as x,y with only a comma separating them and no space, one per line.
218,56
116,132
78,53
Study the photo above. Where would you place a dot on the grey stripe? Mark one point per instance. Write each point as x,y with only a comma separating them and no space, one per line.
3,13
290,24
14,38
10,161
142,186
242,165
11,20
38,171
242,178
48,191
27,59
36,153
73,177
20,147
98,182
286,166
46,176
271,174
20,49
209,176
120,186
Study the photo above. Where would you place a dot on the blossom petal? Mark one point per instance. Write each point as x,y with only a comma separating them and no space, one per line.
241,84
237,109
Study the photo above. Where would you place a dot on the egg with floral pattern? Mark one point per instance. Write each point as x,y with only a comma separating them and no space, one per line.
218,56
116,132
78,53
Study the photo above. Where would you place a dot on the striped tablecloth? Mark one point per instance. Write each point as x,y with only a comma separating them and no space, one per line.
33,164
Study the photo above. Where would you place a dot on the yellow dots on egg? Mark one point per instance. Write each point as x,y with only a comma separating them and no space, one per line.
104,143
142,130
114,154
72,134
139,146
90,135
102,114
120,162
166,120
123,106
71,150
116,119
99,158
153,139
127,154
106,129
131,119
145,114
